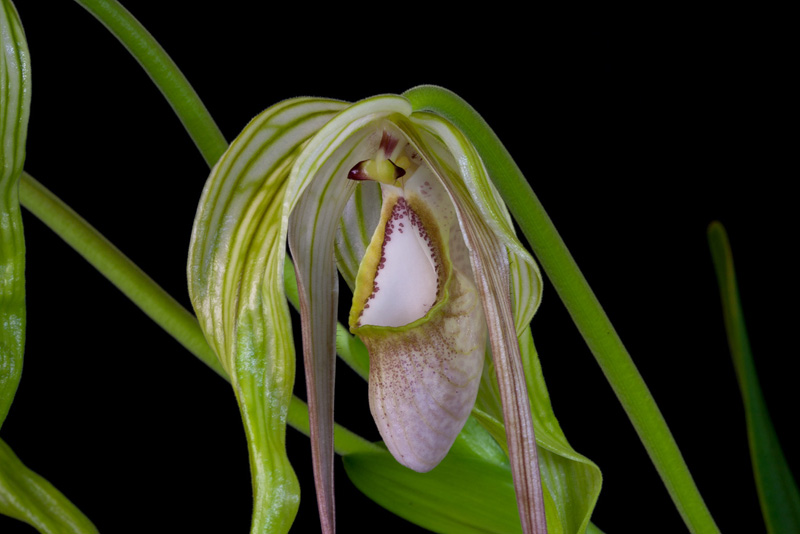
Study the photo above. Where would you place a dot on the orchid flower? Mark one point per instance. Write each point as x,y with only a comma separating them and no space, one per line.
400,202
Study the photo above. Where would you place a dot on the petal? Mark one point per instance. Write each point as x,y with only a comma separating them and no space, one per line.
236,264
418,312
571,482
468,181
317,193
491,243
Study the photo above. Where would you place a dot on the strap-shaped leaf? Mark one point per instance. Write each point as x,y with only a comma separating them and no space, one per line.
464,494
471,491
777,489
236,270
15,100
26,496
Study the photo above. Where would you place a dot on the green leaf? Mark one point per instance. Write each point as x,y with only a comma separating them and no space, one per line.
26,496
471,490
15,100
777,490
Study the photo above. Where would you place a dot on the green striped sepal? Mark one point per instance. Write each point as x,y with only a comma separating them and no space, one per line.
15,100
235,269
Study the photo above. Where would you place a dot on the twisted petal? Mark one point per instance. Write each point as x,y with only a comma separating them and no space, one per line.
499,265
235,270
317,193
491,242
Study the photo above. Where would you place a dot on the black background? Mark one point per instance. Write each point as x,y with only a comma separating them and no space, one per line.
635,136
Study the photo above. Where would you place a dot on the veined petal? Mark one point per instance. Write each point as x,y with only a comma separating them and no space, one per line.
475,187
317,193
490,242
571,482
235,270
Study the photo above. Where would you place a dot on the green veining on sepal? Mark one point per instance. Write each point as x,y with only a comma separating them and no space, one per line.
165,311
236,274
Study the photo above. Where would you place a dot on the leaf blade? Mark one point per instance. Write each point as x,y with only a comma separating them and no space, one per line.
26,496
443,500
777,489
15,100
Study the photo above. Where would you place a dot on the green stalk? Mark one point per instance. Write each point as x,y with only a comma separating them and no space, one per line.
118,268
578,297
164,73
148,295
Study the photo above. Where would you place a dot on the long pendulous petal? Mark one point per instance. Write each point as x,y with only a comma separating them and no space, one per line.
454,160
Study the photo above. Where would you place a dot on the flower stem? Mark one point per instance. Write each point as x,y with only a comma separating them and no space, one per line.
148,295
580,301
118,268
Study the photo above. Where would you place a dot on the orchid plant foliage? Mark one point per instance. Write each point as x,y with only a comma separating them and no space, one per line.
401,203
